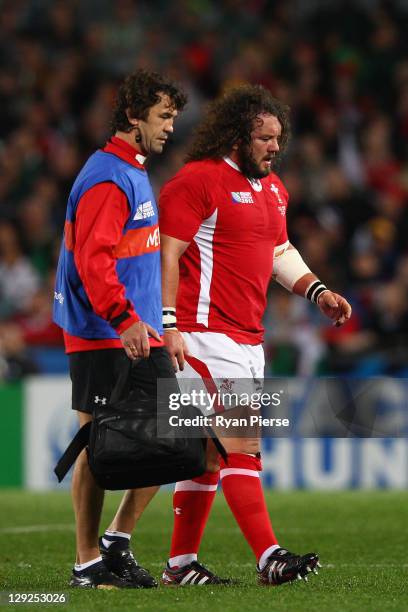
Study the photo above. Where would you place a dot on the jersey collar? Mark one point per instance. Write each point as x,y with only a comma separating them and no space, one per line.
229,161
125,151
255,183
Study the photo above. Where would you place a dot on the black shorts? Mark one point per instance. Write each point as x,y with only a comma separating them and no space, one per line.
94,374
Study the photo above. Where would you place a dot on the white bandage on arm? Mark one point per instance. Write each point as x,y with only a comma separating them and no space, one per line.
288,266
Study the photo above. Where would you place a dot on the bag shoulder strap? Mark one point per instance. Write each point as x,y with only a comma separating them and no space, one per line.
217,443
77,444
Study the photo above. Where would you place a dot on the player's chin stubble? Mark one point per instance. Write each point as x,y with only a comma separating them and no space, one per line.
249,167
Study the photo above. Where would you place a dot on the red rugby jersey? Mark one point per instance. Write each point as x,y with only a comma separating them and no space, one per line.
233,226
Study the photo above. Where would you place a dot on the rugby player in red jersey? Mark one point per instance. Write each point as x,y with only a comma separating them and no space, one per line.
224,235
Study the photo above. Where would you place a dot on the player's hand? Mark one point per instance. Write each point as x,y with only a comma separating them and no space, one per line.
335,307
135,340
176,348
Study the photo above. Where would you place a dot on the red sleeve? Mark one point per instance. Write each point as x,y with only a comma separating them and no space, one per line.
284,233
183,206
101,215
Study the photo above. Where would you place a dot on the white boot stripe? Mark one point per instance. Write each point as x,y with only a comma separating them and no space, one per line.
187,578
203,580
274,568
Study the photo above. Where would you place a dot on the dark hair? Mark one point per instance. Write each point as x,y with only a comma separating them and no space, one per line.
138,93
230,119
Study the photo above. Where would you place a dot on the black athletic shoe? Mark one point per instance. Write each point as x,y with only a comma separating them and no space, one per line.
283,566
119,559
310,563
96,577
192,574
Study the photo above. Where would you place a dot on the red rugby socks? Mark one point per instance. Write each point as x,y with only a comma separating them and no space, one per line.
243,491
192,501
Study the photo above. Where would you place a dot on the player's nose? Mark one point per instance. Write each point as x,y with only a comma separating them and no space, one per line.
169,128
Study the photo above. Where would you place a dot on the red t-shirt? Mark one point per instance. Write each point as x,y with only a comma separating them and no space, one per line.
233,226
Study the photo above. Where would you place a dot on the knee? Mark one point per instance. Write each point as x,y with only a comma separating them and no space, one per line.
247,446
212,463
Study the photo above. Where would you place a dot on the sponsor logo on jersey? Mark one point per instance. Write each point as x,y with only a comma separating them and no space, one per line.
242,197
144,211
138,241
153,239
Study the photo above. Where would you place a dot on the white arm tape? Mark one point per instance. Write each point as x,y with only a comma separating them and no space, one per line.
288,266
279,250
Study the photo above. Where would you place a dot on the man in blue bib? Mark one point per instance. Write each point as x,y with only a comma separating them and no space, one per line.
108,302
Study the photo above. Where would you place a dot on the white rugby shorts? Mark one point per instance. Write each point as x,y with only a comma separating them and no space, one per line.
216,363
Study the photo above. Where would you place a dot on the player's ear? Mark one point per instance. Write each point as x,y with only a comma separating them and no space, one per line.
132,120
235,146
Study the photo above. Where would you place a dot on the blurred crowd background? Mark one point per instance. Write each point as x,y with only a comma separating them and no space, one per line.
343,69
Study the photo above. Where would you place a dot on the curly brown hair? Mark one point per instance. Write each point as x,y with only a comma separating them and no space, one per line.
138,93
231,118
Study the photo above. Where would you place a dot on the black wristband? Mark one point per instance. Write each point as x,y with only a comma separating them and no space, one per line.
314,291
169,318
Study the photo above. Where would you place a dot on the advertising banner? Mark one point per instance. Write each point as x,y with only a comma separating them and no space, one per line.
336,459
11,451
50,424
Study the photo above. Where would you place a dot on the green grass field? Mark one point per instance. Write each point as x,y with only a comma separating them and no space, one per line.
361,537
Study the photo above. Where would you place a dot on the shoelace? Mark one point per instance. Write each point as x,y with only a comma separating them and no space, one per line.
284,554
286,557
198,566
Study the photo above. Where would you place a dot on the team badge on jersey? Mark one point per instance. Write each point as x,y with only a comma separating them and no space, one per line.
282,207
226,385
275,190
242,197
